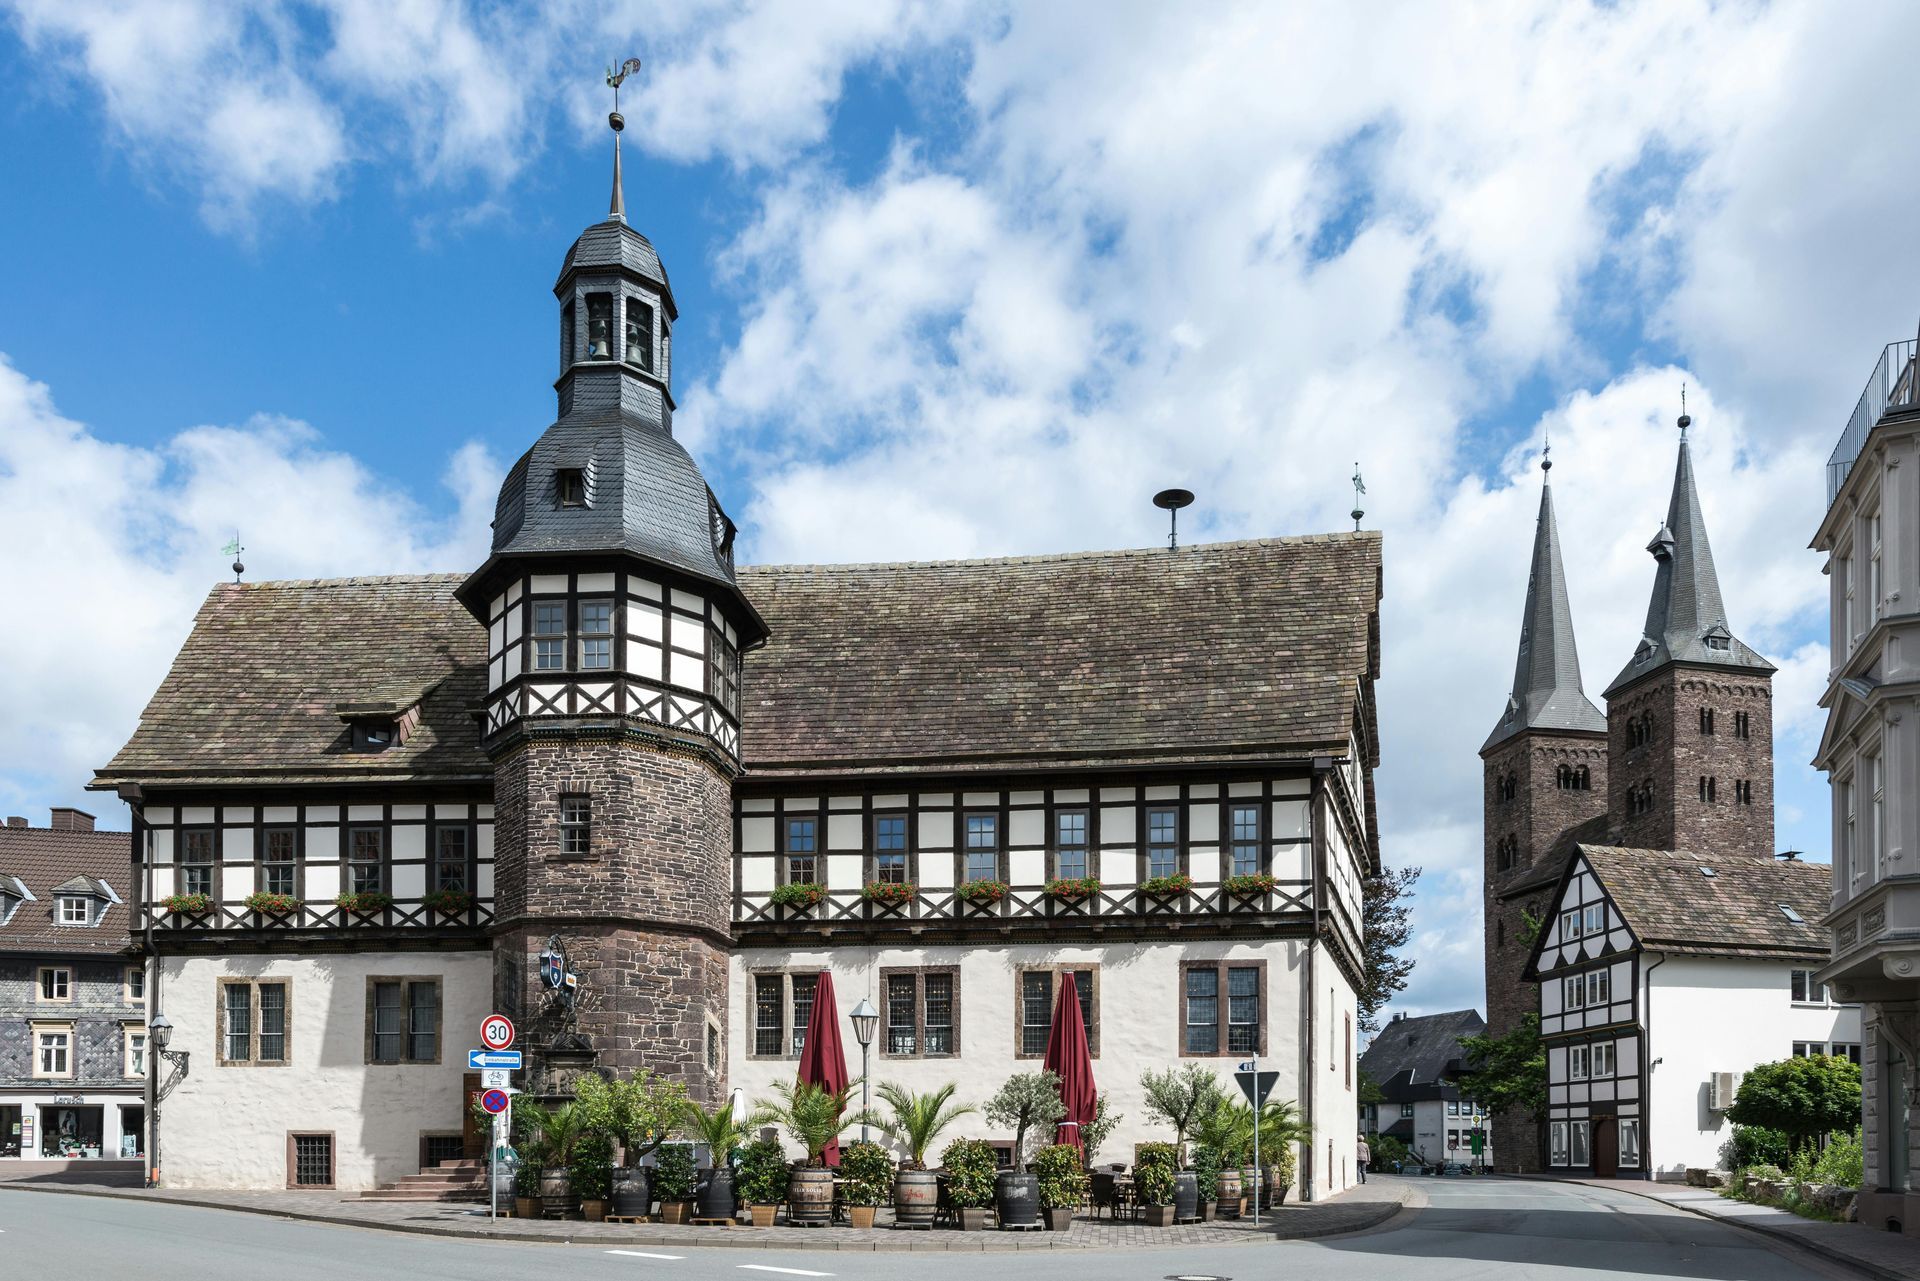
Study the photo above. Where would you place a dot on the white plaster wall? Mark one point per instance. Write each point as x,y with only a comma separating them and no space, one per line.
1139,1011
1336,1072
1712,1014
226,1127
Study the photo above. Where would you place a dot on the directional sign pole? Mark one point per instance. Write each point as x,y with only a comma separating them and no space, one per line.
1256,1142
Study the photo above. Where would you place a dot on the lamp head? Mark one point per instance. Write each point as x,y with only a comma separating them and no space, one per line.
866,1020
161,1030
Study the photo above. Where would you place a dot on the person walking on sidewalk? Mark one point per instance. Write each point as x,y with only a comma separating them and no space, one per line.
1366,1155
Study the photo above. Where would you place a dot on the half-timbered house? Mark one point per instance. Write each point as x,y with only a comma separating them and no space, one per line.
363,808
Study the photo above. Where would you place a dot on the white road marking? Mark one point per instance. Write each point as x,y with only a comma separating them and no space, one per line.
642,1254
792,1272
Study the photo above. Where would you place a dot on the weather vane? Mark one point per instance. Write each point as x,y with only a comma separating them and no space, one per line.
234,549
617,207
1546,449
1359,488
1685,421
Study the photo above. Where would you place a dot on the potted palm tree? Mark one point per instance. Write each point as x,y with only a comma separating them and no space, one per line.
813,1117
558,1131
1063,1184
1029,1101
673,1176
761,1180
722,1132
914,1121
867,1171
1281,1131
970,1167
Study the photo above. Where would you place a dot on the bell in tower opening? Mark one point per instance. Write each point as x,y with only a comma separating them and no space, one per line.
599,326
639,334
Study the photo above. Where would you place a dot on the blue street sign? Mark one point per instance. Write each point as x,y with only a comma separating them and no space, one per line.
478,1060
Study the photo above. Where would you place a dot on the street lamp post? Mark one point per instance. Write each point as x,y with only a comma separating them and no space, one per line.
865,1020
160,1035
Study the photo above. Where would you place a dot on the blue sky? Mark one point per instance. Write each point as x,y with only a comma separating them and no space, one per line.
286,267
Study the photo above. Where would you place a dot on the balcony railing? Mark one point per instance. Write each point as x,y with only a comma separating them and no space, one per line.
1892,386
1029,902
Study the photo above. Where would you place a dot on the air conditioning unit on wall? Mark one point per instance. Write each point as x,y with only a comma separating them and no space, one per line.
1720,1088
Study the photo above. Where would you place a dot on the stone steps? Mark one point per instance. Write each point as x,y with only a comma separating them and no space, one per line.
459,1180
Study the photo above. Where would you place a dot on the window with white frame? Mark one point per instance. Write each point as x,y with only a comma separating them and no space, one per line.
53,1050
135,987
1599,987
1573,992
1873,568
1603,1059
1805,990
1579,1059
1849,831
1570,924
1557,1143
1596,918
1843,575
1406,1111
56,983
1629,1143
136,1050
74,910
1876,809
1577,1142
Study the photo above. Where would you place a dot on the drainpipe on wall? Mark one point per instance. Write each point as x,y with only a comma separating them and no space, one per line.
1646,1074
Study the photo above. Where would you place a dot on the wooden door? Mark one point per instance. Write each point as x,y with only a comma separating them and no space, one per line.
1606,1147
472,1134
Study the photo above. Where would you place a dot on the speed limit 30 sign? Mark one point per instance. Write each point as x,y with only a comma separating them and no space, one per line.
496,1032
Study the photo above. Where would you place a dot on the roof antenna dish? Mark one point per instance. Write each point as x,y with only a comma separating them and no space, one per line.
1171,501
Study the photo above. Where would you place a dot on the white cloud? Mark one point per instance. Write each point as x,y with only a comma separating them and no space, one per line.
114,547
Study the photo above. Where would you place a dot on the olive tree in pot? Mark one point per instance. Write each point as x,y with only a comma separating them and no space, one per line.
761,1180
1153,1178
723,1133
1063,1184
1029,1101
867,1172
640,1112
970,1165
914,1121
673,1175
813,1118
1183,1098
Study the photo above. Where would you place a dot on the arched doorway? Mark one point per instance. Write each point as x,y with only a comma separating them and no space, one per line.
1606,1147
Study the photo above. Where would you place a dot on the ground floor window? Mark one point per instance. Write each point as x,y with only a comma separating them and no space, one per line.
1557,1143
1036,1001
1629,1143
310,1160
71,1131
10,1125
782,1005
1577,1142
921,1013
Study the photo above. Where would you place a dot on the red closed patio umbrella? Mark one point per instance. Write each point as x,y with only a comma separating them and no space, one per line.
1069,1059
822,1060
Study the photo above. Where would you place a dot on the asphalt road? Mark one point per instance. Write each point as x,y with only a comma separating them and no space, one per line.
1473,1229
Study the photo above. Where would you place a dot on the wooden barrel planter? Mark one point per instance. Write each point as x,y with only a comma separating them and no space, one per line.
916,1194
1186,1197
810,1195
715,1200
632,1195
1016,1199
1231,1190
556,1188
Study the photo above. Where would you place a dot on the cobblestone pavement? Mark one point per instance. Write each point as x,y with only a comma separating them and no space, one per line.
1358,1209
1887,1255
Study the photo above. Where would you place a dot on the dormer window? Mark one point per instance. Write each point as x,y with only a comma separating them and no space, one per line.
73,910
372,736
570,487
599,326
638,348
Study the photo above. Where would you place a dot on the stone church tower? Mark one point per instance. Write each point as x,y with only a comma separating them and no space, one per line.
615,628
1683,758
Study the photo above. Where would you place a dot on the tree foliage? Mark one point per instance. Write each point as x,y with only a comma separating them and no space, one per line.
1803,1098
1181,1097
1509,1073
1386,927
641,1111
916,1120
1029,1101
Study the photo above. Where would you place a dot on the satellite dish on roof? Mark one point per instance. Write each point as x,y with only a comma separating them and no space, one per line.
1171,501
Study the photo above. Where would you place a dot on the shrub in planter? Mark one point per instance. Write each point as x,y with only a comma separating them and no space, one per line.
1206,1173
970,1169
983,892
798,894
1063,1183
673,1181
272,904
365,902
868,1172
888,892
526,1186
447,902
1072,889
1248,886
1153,1176
187,904
1167,886
591,1173
761,1179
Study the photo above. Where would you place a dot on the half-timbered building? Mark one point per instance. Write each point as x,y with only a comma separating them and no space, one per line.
363,808
1663,976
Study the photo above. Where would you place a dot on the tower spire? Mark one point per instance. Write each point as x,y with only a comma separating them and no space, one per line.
1547,692
617,206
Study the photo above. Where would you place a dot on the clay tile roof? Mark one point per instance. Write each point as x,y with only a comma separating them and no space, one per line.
1214,652
49,862
256,691
1672,907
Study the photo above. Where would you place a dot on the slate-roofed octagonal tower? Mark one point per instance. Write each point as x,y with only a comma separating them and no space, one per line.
612,715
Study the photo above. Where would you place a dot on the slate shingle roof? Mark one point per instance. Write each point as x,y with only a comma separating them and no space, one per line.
1547,692
46,861
1672,907
1418,1051
255,691
1220,652
1214,652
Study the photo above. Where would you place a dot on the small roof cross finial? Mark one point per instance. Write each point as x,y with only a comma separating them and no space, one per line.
1685,421
617,207
1359,488
234,549
1546,450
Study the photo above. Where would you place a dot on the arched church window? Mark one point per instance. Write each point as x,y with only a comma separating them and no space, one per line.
599,326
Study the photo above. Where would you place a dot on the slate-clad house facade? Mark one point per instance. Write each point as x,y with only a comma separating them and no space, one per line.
73,1052
1663,977
610,739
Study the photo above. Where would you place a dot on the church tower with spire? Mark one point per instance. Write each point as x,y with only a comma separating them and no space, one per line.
1544,771
1690,717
